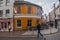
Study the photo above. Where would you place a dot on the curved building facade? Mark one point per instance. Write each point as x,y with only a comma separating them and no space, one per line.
26,15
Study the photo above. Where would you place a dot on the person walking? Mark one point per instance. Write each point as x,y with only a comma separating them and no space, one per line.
39,31
56,24
9,27
39,28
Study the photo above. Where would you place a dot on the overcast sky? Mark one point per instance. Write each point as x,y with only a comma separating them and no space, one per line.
47,5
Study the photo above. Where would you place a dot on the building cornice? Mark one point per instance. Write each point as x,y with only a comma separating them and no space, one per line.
26,2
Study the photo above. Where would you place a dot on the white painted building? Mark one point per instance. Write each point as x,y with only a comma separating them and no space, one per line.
57,12
6,14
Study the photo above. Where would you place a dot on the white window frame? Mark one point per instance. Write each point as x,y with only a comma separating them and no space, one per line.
2,13
8,15
18,26
1,3
39,11
29,22
7,2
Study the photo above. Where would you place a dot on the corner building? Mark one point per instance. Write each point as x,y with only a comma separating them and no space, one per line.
26,15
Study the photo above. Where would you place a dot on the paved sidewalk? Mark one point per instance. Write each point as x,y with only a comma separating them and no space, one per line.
46,31
11,34
26,33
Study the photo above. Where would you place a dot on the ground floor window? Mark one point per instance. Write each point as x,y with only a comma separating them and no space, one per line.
4,25
18,23
29,23
37,21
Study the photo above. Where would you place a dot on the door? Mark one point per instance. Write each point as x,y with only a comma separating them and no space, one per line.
29,24
3,25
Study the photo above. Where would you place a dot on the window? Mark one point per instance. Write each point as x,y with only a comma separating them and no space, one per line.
7,1
8,23
29,23
59,16
7,11
1,3
18,9
59,9
18,23
37,21
39,11
1,13
29,9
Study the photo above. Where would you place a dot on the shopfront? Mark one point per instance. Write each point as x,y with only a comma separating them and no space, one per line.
4,24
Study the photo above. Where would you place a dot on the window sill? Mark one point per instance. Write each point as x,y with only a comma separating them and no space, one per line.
18,27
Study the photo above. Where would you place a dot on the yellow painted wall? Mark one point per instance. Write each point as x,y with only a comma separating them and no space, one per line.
24,10
24,23
34,10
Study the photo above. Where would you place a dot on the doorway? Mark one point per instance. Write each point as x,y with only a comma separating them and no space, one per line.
4,25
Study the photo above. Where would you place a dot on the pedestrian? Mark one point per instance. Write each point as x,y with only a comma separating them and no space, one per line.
39,29
56,24
9,27
51,24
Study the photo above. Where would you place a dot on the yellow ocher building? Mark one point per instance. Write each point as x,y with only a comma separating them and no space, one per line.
26,15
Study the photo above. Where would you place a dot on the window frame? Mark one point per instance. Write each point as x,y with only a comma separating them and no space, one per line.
20,24
29,23
39,11
7,2
1,13
1,3
18,9
29,9
37,21
8,11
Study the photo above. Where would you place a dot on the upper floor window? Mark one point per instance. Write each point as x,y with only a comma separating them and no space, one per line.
39,11
7,2
29,9
59,9
1,3
1,13
18,23
7,11
18,9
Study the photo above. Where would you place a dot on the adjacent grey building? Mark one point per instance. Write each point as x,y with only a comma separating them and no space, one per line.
6,14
